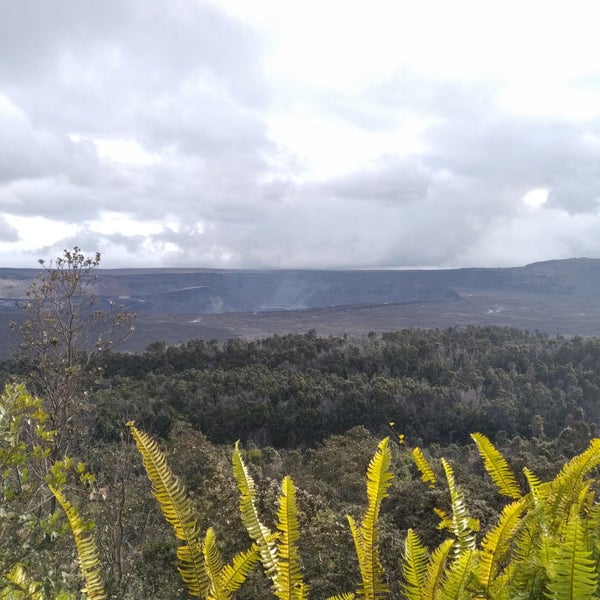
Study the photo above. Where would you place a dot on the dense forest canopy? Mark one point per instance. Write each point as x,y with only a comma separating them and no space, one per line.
290,391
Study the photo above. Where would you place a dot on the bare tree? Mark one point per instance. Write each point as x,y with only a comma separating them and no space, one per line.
66,328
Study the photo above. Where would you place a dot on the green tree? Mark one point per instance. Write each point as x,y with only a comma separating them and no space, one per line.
66,328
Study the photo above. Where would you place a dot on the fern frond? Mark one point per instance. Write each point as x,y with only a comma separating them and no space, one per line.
177,510
500,588
566,485
87,553
532,549
593,528
585,502
463,526
427,474
581,464
534,482
458,576
19,580
290,584
233,575
497,467
261,534
379,478
436,569
344,596
445,519
572,575
414,566
496,542
213,562
527,581
357,538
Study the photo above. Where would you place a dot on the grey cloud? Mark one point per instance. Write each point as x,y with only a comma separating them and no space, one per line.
408,91
88,65
472,136
29,152
7,232
180,77
529,151
393,179
58,198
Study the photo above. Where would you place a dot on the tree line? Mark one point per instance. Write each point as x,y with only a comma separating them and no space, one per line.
291,391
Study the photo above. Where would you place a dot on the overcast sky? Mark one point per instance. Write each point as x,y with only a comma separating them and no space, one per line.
313,133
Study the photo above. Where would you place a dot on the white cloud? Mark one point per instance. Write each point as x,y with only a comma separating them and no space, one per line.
37,232
536,197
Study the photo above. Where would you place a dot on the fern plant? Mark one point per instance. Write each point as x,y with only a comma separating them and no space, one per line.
544,545
199,561
289,581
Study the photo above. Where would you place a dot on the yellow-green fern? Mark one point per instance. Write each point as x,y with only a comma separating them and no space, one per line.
233,575
176,508
457,577
213,562
573,575
366,535
290,584
225,579
20,586
497,467
261,534
414,566
87,553
436,569
461,524
566,485
496,543
427,474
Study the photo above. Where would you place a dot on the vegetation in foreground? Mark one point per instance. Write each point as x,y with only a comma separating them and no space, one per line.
543,544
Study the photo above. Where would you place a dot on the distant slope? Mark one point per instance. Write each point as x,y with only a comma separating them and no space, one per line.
213,291
176,304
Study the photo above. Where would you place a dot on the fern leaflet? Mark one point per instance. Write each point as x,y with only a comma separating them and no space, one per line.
87,553
427,474
414,566
261,534
497,467
290,585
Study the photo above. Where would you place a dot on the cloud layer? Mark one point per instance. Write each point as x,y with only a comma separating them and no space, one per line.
228,134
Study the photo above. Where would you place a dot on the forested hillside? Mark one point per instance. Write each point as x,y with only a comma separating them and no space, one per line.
296,390
315,408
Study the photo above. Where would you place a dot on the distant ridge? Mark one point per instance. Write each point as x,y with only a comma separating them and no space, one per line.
556,296
208,291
